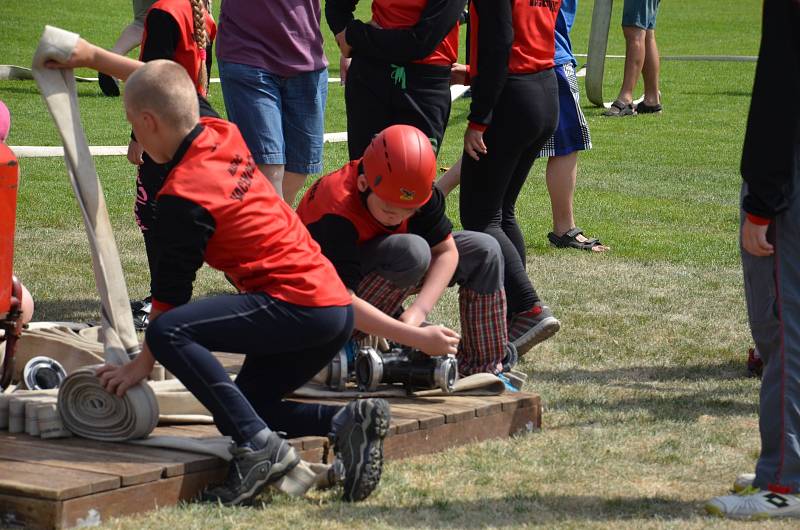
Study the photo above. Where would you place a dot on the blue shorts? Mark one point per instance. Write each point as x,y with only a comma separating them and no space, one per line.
640,13
282,119
572,132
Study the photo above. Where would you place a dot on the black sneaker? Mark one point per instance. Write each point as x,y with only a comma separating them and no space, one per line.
108,85
141,313
359,430
252,470
526,330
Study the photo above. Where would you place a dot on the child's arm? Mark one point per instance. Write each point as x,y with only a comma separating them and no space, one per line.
88,55
433,340
444,260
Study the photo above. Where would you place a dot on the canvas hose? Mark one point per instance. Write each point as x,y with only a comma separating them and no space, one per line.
86,408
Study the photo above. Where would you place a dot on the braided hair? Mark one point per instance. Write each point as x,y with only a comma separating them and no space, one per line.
201,38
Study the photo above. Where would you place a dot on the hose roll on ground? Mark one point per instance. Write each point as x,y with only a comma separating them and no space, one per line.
88,410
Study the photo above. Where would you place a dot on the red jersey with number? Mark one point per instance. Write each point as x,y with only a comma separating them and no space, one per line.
187,52
258,241
402,14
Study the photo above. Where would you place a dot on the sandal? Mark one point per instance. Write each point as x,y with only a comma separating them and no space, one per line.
644,108
570,240
619,109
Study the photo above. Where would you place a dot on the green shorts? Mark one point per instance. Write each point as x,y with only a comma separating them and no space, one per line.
640,13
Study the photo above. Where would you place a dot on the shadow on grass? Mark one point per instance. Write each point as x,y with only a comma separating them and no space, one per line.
641,375
513,511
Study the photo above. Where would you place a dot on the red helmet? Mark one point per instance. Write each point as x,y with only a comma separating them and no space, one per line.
400,166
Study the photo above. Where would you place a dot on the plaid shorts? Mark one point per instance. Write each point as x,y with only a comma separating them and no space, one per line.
572,132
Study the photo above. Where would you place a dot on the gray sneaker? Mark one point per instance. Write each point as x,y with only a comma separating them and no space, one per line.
526,330
251,471
359,430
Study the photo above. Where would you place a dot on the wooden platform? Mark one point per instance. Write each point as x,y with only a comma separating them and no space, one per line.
69,482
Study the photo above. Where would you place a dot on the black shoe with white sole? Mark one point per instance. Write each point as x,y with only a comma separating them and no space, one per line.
359,430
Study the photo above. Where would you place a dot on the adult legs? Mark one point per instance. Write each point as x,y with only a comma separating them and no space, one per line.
561,177
634,61
368,94
651,69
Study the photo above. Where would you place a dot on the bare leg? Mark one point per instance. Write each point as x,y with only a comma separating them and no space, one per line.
450,179
292,184
274,173
561,177
651,69
634,61
129,39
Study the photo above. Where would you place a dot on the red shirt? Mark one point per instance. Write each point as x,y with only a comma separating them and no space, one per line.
533,49
9,179
187,52
257,239
401,14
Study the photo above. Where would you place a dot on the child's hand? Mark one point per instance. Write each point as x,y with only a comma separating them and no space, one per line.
118,379
473,143
458,74
135,153
82,55
413,316
341,41
754,239
438,340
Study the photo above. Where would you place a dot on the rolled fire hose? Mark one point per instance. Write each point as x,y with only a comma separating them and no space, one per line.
86,408
84,405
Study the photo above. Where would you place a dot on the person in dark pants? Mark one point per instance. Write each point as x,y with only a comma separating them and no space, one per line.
171,31
770,238
400,69
514,111
291,315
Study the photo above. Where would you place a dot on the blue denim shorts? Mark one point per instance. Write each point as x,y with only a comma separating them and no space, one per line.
640,13
282,119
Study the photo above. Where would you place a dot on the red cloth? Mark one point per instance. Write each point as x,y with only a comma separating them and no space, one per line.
401,14
258,240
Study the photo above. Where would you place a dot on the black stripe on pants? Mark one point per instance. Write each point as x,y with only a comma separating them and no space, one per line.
524,117
375,101
285,345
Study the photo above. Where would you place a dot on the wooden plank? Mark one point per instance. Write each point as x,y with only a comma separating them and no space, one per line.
427,418
451,409
426,441
400,424
483,405
54,483
27,512
136,499
130,470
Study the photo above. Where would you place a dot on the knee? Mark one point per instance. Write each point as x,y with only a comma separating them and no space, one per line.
411,266
158,335
483,264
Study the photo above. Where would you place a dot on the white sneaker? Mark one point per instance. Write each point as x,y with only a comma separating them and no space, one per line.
743,481
753,503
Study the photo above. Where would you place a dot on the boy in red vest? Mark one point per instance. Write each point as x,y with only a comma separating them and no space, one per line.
383,226
292,313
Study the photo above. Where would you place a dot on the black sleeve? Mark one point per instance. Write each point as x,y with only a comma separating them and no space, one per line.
206,110
495,37
338,239
163,35
771,152
182,230
339,13
431,221
410,44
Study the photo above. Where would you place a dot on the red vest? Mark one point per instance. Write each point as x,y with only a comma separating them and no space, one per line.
9,178
187,53
259,242
337,194
534,36
401,14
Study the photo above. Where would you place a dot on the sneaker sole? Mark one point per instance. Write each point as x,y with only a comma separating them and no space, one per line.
539,333
365,442
276,471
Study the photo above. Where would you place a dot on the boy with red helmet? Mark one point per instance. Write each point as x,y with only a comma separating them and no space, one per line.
383,225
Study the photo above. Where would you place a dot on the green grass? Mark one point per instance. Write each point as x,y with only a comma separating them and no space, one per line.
646,410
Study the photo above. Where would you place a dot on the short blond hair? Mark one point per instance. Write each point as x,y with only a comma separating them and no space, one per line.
164,88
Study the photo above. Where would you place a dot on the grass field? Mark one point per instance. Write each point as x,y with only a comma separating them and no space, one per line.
647,411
